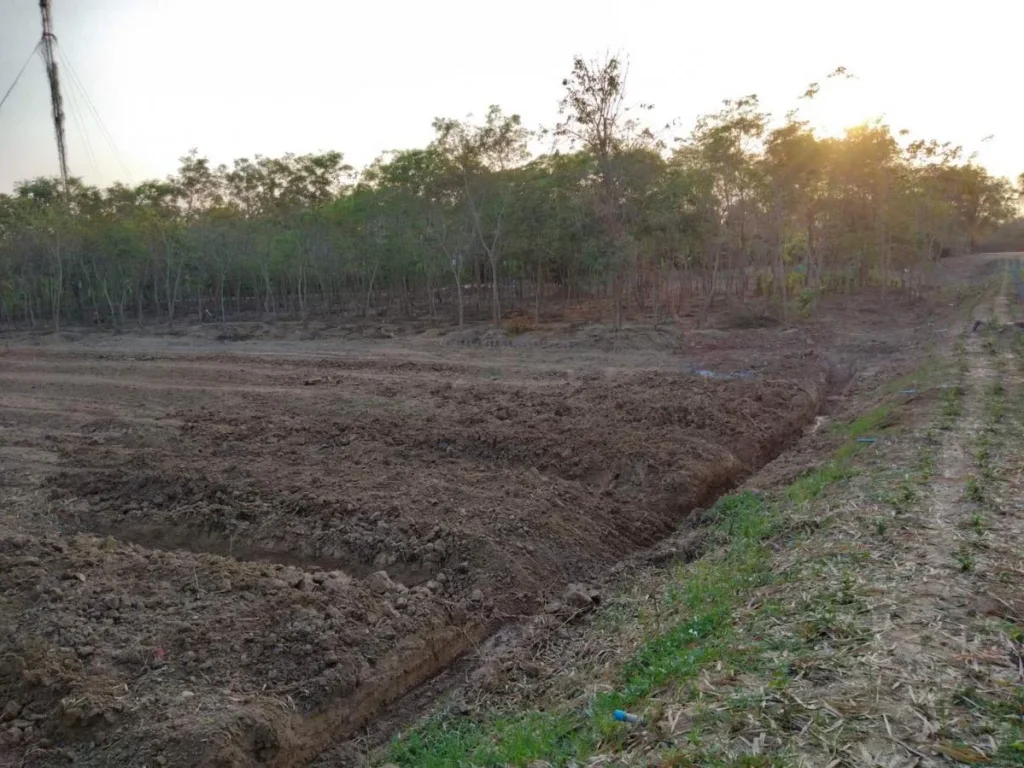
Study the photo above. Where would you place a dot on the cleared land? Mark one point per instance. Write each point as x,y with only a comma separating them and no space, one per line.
235,553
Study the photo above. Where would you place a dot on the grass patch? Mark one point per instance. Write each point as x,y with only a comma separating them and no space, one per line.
869,422
808,487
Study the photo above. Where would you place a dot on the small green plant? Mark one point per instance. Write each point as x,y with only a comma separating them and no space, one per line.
965,559
805,302
972,489
881,526
847,589
977,522
951,406
903,498
926,466
995,415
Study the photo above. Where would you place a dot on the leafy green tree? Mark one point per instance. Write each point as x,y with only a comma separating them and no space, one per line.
485,156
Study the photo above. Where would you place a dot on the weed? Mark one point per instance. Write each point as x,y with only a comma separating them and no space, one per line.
977,522
847,589
995,415
951,406
926,466
965,559
983,458
903,498
881,525
972,489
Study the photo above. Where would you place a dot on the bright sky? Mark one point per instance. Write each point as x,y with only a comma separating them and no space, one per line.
240,77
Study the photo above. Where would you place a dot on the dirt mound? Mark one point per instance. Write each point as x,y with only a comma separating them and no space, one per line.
593,336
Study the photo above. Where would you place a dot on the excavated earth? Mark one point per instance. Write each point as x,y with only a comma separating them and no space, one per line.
240,553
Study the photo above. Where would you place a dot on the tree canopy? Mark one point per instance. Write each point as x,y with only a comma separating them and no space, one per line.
473,224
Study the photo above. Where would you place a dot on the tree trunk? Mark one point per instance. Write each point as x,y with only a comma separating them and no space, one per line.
538,290
705,309
781,265
457,284
495,297
369,290
58,288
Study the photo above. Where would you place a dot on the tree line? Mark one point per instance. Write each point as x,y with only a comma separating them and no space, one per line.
476,225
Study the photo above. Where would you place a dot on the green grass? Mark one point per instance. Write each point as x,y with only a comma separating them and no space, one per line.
863,425
808,487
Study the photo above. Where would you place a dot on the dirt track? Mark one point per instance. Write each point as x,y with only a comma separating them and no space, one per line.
219,553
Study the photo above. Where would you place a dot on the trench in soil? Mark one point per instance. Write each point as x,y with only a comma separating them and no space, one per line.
582,516
401,676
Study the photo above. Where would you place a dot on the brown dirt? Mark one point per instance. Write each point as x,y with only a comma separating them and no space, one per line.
193,532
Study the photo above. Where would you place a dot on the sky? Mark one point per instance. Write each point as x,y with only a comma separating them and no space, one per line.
149,79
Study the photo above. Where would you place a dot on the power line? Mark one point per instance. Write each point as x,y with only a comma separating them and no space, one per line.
76,82
20,73
75,109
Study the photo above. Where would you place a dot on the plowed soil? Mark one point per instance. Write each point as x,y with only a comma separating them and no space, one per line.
236,553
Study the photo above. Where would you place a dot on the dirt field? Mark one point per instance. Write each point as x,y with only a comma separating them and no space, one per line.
240,552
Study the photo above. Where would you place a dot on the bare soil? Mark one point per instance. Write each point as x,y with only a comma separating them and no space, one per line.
239,552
